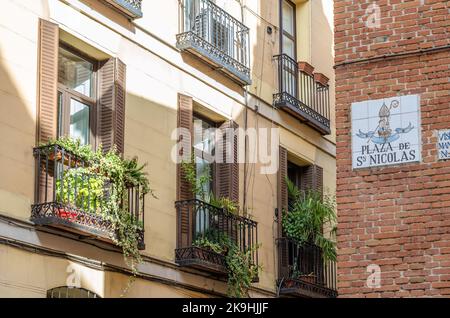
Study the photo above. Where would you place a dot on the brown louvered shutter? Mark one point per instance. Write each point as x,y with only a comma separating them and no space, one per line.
282,186
47,102
185,120
185,212
112,92
312,178
227,171
48,81
227,175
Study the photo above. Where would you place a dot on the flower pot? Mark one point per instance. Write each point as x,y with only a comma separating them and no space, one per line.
308,278
321,79
289,283
306,68
67,215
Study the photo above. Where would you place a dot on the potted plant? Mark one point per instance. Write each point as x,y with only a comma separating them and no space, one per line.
321,79
308,212
306,68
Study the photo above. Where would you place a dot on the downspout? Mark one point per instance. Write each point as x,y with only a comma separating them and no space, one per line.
245,122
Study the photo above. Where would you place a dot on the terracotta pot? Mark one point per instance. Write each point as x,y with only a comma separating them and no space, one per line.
306,67
308,278
321,79
68,215
288,283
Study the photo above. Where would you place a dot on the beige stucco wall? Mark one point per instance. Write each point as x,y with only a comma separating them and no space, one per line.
156,73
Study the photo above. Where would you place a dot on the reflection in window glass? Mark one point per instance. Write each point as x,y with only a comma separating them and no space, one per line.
288,18
204,140
75,73
203,136
79,121
288,47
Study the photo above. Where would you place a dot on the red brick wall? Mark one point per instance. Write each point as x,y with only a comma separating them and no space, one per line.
397,217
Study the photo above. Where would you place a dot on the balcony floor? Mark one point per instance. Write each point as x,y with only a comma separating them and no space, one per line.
219,60
304,289
75,221
302,112
201,259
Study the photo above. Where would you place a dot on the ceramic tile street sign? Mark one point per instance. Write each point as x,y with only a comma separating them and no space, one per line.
443,145
386,132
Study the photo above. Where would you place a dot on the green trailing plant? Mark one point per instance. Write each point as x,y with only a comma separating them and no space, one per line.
198,188
89,189
309,211
91,183
241,270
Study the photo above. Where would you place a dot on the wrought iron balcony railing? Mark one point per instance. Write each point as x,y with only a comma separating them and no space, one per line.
198,221
216,37
66,196
130,8
301,95
303,272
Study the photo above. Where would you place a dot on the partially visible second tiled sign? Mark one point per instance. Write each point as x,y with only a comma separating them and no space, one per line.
443,145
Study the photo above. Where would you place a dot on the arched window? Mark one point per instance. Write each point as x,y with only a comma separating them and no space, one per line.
70,292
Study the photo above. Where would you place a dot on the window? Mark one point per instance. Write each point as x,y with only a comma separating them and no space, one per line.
76,95
70,292
204,150
295,175
288,29
289,47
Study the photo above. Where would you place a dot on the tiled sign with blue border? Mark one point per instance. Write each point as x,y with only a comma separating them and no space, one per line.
386,132
443,145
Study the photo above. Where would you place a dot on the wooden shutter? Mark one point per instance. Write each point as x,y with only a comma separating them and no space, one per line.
227,172
185,212
112,93
282,186
185,120
48,81
312,178
47,108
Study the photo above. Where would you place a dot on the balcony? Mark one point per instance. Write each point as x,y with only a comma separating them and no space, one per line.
197,220
302,94
132,9
66,197
216,37
303,272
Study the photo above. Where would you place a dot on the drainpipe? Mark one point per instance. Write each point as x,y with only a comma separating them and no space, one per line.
245,122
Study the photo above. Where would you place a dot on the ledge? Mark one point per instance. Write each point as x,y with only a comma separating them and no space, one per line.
130,8
302,112
216,58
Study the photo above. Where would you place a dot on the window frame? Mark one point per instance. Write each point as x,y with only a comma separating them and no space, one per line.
283,33
67,94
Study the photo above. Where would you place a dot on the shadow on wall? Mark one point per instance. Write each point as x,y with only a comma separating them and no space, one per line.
17,134
110,13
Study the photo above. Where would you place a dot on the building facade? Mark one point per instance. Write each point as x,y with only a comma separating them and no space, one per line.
392,88
130,73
